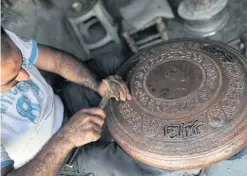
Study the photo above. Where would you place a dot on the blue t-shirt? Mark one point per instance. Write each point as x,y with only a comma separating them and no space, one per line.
30,111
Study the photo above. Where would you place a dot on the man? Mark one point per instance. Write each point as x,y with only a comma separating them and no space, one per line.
31,114
32,137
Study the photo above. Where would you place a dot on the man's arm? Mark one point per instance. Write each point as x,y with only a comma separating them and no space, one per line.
67,66
49,159
84,127
70,68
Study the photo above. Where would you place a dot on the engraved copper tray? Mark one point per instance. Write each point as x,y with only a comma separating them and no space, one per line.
189,105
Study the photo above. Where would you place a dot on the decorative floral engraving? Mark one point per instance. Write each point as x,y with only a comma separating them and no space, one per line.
208,73
203,118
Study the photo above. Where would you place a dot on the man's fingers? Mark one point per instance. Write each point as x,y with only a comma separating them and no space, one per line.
93,135
121,88
95,111
93,126
116,87
95,119
117,90
128,95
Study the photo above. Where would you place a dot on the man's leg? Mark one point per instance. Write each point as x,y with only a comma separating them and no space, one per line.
107,64
101,159
76,97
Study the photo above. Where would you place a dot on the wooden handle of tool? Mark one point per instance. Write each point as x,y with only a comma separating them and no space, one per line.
103,102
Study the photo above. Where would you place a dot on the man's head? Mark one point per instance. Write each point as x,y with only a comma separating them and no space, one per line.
11,63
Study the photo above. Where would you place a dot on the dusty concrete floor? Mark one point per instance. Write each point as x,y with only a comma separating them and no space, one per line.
236,167
49,27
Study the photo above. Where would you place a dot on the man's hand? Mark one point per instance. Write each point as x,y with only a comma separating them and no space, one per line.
85,126
114,87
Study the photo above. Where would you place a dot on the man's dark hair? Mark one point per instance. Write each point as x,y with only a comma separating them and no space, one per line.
5,46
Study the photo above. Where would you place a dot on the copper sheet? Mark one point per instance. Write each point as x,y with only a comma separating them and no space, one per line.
189,105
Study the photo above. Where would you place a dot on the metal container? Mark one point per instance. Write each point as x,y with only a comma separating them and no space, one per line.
205,17
189,105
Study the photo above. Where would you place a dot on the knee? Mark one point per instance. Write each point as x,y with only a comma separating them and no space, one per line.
109,63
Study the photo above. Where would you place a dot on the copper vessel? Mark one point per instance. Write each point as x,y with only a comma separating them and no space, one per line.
205,17
189,105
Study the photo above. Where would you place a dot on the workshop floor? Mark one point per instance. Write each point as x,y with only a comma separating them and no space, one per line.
48,27
230,168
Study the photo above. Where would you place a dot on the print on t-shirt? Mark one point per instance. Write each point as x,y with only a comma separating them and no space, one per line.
24,106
